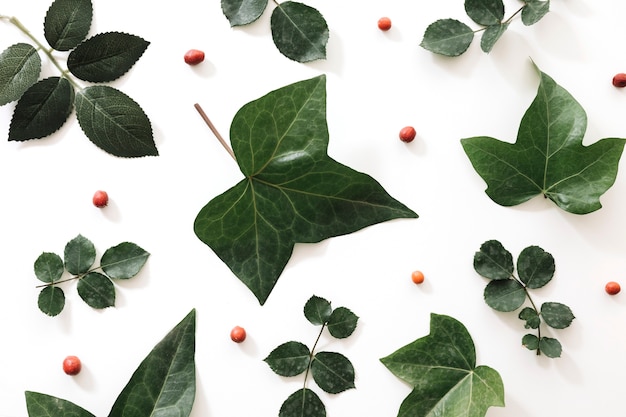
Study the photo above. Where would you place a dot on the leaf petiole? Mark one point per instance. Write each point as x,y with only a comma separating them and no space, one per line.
214,130
76,277
312,354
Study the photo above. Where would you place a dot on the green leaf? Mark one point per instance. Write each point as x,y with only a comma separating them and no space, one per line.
534,11
531,317
42,109
96,290
42,405
243,12
493,261
49,267
303,403
293,191
114,122
51,300
557,315
442,369
317,310
67,23
448,37
550,347
123,261
299,32
333,372
530,341
535,267
289,359
548,157
505,295
20,66
491,35
79,255
485,12
342,322
106,56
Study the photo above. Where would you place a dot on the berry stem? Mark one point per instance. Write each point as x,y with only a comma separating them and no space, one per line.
214,130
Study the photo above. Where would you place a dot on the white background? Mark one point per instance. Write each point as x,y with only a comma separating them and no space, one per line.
377,83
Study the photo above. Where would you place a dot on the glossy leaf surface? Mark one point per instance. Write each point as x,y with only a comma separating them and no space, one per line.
493,261
535,267
342,322
49,267
299,31
67,23
123,261
79,255
51,300
485,12
333,372
557,315
317,310
96,290
20,66
243,12
289,359
448,37
303,403
534,11
42,405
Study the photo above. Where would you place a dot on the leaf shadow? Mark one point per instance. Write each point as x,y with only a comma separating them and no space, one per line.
559,39
122,286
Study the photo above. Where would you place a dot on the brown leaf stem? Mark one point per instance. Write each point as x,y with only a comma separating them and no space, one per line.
214,130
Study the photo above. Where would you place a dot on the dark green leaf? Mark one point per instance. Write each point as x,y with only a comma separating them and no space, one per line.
548,157
164,384
20,66
299,32
493,261
530,341
96,290
534,11
114,122
485,12
317,310
79,255
447,37
505,295
289,359
51,300
243,12
42,405
333,372
49,267
530,316
42,109
293,191
491,36
67,23
342,322
123,261
303,403
550,347
535,267
556,315
106,56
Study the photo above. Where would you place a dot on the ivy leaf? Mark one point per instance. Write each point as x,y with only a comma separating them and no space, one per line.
293,191
79,255
448,37
530,316
534,11
299,31
51,301
42,405
504,295
485,12
67,23
42,109
106,56
123,261
303,403
96,290
333,372
342,322
20,66
442,369
114,122
243,12
289,359
548,157
535,267
49,267
493,261
550,347
556,315
317,310
491,35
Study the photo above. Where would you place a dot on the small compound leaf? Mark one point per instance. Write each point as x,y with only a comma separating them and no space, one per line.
530,316
114,122
557,315
123,261
299,31
106,56
303,403
42,109
491,35
535,267
333,372
42,405
317,310
243,12
96,290
51,300
550,347
530,342
485,12
447,37
493,261
342,322
505,295
20,66
289,359
49,267
534,11
67,23
79,255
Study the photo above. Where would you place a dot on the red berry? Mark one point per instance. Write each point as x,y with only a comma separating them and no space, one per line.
417,277
619,80
72,365
384,23
194,57
100,198
407,134
612,288
238,334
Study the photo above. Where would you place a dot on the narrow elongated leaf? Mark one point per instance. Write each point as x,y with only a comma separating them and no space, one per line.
556,315
114,122
67,23
485,12
49,267
42,109
493,261
535,267
333,372
289,359
300,32
534,11
448,37
106,56
243,12
51,301
303,403
20,66
504,295
317,310
342,322
96,290
123,261
491,35
42,405
79,255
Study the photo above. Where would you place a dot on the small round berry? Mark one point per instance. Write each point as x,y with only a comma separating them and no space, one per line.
384,24
619,80
417,277
238,334
612,288
72,365
407,134
100,198
194,57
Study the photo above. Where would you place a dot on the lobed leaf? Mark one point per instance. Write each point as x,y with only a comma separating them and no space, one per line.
485,12
67,23
491,35
550,347
448,37
79,255
243,12
51,300
49,267
505,295
123,261
530,316
300,32
342,322
20,66
333,372
303,403
535,267
493,261
557,315
534,11
42,405
96,290
317,310
289,359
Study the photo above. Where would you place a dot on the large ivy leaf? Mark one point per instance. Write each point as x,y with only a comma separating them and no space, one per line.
548,157
43,405
123,261
67,23
243,12
299,31
441,368
449,37
20,66
292,191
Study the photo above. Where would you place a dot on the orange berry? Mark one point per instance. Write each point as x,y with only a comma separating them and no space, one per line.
619,80
194,56
407,134
417,277
384,24
72,365
238,334
100,199
612,288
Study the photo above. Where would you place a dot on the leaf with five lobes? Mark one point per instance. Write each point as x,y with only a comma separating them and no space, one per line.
556,315
79,255
534,11
548,157
550,347
42,405
123,261
493,261
442,369
303,403
485,12
448,37
96,290
299,31
289,359
332,372
491,36
67,23
49,267
504,295
342,322
317,310
42,109
20,66
535,267
114,122
51,301
293,191
106,56
243,12
530,316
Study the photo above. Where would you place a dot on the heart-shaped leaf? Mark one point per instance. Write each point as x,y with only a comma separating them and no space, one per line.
485,12
243,12
299,31
303,403
42,405
67,23
51,300
79,255
123,261
448,37
20,66
96,290
534,11
289,359
333,372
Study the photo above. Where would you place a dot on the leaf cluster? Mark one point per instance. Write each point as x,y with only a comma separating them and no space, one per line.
120,262
332,371
451,37
300,32
109,118
505,292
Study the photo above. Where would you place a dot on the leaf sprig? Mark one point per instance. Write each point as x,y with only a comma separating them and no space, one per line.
507,292
332,371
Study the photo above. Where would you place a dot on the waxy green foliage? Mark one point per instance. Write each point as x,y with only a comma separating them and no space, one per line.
299,31
548,157
164,384
292,191
441,368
